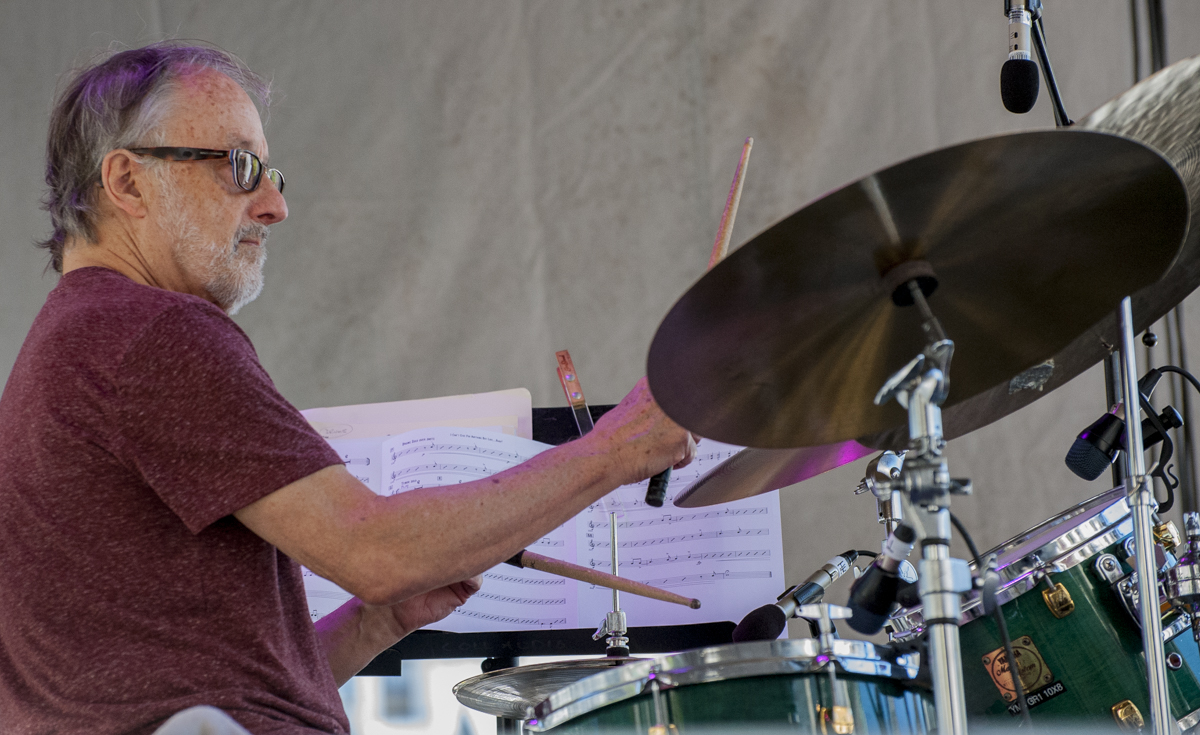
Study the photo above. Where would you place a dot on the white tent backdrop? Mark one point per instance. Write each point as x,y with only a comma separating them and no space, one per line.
474,185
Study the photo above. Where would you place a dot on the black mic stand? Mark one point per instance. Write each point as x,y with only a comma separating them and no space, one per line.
1039,45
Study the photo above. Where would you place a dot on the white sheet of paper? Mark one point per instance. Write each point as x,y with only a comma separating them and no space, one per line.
729,556
510,409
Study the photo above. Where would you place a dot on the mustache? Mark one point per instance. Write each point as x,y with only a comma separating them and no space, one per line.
252,231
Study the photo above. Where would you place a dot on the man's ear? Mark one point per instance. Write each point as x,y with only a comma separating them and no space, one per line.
122,178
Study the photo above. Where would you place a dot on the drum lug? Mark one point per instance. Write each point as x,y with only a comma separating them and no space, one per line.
1168,535
1058,599
1128,716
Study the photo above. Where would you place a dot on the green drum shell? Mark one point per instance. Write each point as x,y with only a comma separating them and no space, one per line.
782,703
779,685
1095,651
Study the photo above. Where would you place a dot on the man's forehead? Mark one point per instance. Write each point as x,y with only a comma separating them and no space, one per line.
212,110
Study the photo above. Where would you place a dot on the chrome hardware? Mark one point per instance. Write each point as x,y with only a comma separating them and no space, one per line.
839,715
1174,661
615,628
1108,568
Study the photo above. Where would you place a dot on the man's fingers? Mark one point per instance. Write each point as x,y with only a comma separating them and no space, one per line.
689,455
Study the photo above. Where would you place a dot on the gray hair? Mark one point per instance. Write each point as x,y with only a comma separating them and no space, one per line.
118,102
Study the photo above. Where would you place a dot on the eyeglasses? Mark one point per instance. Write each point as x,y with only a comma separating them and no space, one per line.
248,169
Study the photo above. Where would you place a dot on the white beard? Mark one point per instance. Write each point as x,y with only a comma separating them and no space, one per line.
231,274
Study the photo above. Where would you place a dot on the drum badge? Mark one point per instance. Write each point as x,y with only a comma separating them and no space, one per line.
1035,674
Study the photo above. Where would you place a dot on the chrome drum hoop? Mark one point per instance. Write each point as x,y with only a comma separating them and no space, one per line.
717,663
1023,561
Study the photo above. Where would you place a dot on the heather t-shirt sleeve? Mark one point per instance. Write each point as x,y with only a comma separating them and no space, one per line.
200,420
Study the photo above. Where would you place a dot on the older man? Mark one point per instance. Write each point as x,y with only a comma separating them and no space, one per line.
158,493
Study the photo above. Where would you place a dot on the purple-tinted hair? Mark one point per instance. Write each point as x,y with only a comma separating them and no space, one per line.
118,102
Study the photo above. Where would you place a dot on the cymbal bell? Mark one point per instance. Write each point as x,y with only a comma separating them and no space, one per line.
1031,238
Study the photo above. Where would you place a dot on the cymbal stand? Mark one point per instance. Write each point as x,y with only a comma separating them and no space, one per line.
920,387
1140,495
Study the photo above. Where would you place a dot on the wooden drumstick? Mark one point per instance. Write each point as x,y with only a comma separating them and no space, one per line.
656,492
725,230
529,560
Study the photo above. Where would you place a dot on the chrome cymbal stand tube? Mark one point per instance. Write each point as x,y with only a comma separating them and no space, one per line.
927,486
1141,501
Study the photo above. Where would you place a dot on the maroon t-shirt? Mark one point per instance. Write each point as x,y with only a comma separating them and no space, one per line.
135,421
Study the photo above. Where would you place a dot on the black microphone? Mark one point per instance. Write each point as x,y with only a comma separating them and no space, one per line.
768,621
872,596
1019,75
1096,446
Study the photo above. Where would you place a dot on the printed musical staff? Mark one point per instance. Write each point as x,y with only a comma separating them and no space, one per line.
638,562
709,578
521,600
513,620
541,581
679,538
668,519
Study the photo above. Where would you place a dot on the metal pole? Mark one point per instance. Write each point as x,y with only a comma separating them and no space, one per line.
942,606
616,572
1114,393
1141,501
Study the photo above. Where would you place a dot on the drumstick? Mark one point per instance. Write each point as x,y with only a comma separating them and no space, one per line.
725,230
656,492
529,560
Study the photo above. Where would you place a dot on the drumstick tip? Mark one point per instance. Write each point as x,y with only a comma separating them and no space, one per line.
694,604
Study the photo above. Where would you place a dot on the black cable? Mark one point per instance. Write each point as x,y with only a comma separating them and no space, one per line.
1137,41
1001,625
1180,371
871,554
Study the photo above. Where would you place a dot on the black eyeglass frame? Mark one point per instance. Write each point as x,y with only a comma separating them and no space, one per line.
168,153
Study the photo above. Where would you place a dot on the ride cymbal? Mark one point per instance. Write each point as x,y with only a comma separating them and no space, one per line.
754,471
1032,239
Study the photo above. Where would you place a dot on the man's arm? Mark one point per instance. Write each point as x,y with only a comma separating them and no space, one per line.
388,549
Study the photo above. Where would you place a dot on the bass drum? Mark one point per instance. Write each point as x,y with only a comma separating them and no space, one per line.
1064,589
782,685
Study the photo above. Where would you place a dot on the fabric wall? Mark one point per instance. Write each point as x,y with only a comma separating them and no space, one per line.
474,185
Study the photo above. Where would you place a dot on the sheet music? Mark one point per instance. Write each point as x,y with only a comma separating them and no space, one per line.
511,598
729,556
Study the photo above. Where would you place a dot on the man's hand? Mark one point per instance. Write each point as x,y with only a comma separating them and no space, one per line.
357,632
426,609
641,439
